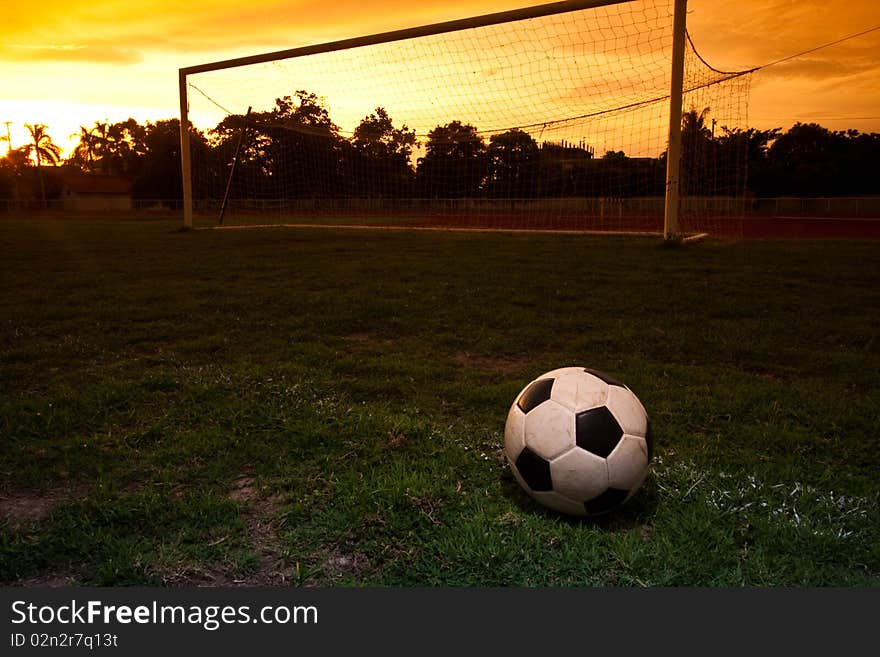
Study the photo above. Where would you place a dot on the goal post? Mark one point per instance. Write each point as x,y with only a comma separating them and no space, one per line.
185,159
559,116
486,20
676,89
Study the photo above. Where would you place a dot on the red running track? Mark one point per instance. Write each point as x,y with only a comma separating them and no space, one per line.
812,227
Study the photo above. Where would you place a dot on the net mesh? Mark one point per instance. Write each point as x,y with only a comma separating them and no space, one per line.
558,122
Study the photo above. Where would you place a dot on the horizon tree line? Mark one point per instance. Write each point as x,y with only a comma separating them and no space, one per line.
295,150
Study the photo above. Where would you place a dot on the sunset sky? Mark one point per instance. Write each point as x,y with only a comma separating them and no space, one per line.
68,63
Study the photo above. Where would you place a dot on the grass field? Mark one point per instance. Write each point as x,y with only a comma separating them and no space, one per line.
327,407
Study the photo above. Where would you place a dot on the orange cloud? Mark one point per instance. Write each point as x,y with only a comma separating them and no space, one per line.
110,31
762,31
69,52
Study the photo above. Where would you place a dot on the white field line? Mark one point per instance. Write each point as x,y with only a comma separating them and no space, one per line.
441,229
790,502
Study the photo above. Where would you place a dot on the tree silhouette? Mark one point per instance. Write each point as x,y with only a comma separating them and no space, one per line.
86,152
303,141
859,170
380,156
810,160
251,162
811,156
159,176
697,153
377,136
41,148
294,150
748,151
455,162
13,167
111,148
129,140
694,123
514,158
104,146
117,147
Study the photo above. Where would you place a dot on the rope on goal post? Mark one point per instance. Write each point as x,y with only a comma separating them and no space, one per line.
241,133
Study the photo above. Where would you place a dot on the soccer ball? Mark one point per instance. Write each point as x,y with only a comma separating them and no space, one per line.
578,441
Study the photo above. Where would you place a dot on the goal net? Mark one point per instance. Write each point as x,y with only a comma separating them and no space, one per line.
554,117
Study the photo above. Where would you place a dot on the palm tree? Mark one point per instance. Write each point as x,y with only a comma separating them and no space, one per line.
103,145
694,122
117,147
86,150
41,148
111,145
698,150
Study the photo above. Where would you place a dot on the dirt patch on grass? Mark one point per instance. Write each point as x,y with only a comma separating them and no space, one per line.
261,512
339,565
21,507
49,580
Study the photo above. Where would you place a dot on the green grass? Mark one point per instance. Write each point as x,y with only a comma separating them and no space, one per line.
327,407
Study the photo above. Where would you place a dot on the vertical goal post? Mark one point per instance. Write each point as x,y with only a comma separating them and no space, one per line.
676,92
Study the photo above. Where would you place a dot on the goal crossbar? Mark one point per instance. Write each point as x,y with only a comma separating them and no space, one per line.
525,13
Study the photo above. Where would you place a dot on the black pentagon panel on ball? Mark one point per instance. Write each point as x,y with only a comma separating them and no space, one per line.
597,431
610,380
607,501
534,470
535,395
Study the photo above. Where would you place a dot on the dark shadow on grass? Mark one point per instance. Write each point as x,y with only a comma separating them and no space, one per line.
636,512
